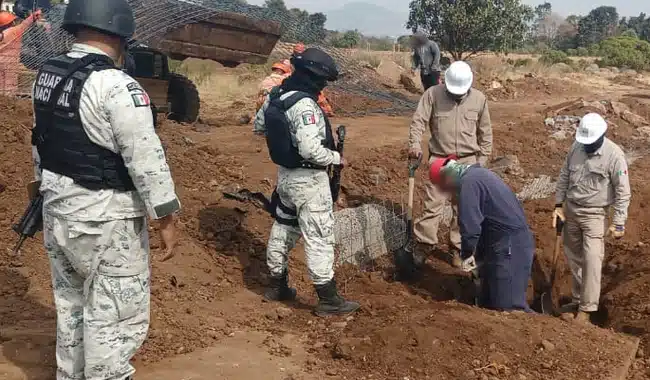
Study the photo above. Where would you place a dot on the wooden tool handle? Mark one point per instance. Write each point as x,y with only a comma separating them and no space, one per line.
410,200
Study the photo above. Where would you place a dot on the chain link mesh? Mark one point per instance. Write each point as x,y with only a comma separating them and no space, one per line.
20,57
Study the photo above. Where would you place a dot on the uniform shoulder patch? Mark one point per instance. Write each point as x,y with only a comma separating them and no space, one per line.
308,118
141,99
134,87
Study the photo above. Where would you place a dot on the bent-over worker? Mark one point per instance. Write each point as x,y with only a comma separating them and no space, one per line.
494,232
458,118
300,141
102,170
594,177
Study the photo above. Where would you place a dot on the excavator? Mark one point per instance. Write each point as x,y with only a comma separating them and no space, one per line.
226,37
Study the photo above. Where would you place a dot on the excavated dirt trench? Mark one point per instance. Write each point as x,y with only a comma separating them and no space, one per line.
207,292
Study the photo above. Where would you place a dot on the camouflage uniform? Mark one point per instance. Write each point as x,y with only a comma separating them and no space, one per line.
308,192
97,241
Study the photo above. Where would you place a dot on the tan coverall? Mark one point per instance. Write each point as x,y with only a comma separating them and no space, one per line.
460,128
587,186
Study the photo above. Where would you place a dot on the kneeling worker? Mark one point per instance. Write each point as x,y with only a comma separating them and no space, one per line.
494,232
300,141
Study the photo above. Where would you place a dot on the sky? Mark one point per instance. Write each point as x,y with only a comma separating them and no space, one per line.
563,7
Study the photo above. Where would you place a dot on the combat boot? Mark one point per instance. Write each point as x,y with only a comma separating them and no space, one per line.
331,303
279,289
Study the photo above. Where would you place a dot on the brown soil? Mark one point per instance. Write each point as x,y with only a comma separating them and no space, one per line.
209,291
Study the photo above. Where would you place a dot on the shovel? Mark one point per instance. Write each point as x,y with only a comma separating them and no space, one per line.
548,306
404,260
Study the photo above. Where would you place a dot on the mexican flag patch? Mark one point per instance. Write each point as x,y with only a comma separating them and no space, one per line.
141,100
308,118
621,172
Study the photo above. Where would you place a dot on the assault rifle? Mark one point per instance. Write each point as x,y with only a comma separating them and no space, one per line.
335,179
31,221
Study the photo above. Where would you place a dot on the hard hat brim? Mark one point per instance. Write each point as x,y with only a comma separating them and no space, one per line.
587,140
457,90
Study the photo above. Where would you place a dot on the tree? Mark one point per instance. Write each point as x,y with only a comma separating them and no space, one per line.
404,43
640,25
297,24
347,40
465,28
276,5
316,23
601,23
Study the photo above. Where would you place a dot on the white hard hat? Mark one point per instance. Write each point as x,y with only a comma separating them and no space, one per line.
592,127
459,78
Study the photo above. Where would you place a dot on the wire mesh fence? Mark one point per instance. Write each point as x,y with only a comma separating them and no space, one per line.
24,52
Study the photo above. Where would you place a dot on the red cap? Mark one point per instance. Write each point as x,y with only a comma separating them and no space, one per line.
436,168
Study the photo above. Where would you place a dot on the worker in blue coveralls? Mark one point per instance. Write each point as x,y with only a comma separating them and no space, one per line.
495,239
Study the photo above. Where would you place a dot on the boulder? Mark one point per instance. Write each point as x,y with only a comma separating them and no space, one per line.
409,83
618,108
595,106
561,68
593,68
634,119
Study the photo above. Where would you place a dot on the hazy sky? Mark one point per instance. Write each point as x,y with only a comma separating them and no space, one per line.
564,7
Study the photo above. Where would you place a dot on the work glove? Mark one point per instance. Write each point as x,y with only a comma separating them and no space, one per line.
468,264
558,213
616,230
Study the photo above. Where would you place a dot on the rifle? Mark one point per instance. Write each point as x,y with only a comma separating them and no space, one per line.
335,180
30,223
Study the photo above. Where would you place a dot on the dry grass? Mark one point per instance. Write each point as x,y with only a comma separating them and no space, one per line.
222,87
219,86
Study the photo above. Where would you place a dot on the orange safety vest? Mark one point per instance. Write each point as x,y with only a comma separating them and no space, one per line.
10,47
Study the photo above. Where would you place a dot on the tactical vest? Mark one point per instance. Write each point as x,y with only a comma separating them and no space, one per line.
63,145
278,132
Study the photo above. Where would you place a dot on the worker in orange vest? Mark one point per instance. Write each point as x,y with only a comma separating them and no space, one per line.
11,33
279,71
323,102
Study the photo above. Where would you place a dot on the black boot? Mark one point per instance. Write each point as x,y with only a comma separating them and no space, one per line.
279,289
331,303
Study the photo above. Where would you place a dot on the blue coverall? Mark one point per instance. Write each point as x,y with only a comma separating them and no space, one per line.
493,226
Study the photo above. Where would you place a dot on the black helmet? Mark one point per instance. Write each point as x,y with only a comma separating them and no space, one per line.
316,62
108,16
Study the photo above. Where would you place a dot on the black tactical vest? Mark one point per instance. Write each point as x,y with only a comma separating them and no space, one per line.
278,132
63,145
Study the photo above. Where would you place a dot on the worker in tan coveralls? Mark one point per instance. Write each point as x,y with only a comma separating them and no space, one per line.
459,121
594,177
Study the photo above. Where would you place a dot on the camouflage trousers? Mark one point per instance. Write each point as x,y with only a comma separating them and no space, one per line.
308,193
100,278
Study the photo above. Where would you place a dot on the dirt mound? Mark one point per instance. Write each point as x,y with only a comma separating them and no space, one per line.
210,290
530,87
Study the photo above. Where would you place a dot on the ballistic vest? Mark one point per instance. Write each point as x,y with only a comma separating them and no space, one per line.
63,145
278,131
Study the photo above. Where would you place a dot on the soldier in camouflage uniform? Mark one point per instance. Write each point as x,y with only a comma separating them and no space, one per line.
299,137
102,170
